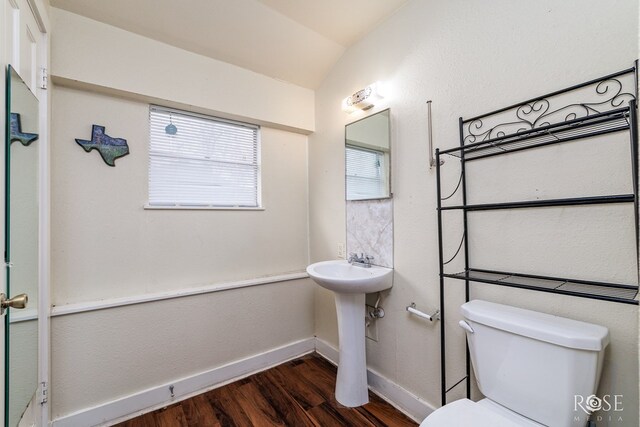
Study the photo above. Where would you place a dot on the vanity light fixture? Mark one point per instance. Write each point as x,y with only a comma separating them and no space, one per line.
363,99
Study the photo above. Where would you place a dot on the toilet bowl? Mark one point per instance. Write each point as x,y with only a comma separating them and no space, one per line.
528,365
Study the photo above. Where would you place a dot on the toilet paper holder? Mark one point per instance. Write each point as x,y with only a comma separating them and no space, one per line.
430,317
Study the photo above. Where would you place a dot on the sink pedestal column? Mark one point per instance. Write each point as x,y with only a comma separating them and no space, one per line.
351,384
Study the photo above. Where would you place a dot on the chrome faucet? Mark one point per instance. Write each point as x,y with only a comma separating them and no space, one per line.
353,257
361,261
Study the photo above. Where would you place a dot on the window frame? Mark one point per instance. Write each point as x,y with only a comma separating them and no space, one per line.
259,202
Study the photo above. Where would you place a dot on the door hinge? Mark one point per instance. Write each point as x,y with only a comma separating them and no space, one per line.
44,393
45,79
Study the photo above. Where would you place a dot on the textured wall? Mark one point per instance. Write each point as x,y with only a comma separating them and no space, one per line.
103,355
469,58
88,52
105,245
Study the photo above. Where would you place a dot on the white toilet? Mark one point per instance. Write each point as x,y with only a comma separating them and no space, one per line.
529,365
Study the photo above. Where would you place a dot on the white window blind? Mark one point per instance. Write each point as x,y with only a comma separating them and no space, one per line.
365,173
208,162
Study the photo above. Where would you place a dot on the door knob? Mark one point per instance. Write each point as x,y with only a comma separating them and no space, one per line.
19,301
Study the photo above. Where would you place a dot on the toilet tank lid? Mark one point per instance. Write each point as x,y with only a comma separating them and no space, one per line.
540,326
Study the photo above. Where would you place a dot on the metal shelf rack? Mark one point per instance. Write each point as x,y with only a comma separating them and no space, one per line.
606,105
614,292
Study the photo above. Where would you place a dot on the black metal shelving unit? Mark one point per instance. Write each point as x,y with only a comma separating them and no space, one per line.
605,105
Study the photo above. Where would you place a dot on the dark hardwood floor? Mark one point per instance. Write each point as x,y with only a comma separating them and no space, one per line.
298,393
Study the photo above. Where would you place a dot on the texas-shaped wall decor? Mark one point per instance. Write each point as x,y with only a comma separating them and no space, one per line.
109,148
16,133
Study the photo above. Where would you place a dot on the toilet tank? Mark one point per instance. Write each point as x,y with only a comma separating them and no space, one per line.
534,363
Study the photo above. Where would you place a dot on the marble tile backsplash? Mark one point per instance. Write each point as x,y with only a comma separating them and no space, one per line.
370,229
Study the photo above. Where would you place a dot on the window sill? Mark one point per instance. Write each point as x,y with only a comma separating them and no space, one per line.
203,208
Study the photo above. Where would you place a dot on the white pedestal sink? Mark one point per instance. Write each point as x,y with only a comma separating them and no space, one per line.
350,283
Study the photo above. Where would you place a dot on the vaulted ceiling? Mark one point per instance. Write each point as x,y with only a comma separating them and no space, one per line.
297,41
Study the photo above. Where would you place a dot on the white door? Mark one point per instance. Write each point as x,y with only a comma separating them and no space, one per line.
24,339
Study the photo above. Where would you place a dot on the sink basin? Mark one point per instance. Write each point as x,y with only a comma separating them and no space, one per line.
340,276
350,283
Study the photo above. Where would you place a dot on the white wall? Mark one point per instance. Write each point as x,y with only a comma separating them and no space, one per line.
106,246
104,355
87,52
470,58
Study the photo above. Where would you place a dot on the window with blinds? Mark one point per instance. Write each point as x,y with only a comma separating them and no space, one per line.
365,173
200,161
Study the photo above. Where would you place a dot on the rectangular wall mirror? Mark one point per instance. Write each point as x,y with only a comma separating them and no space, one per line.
21,248
368,157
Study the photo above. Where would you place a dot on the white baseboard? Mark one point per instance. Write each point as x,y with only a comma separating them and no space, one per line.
136,404
327,351
400,398
154,398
